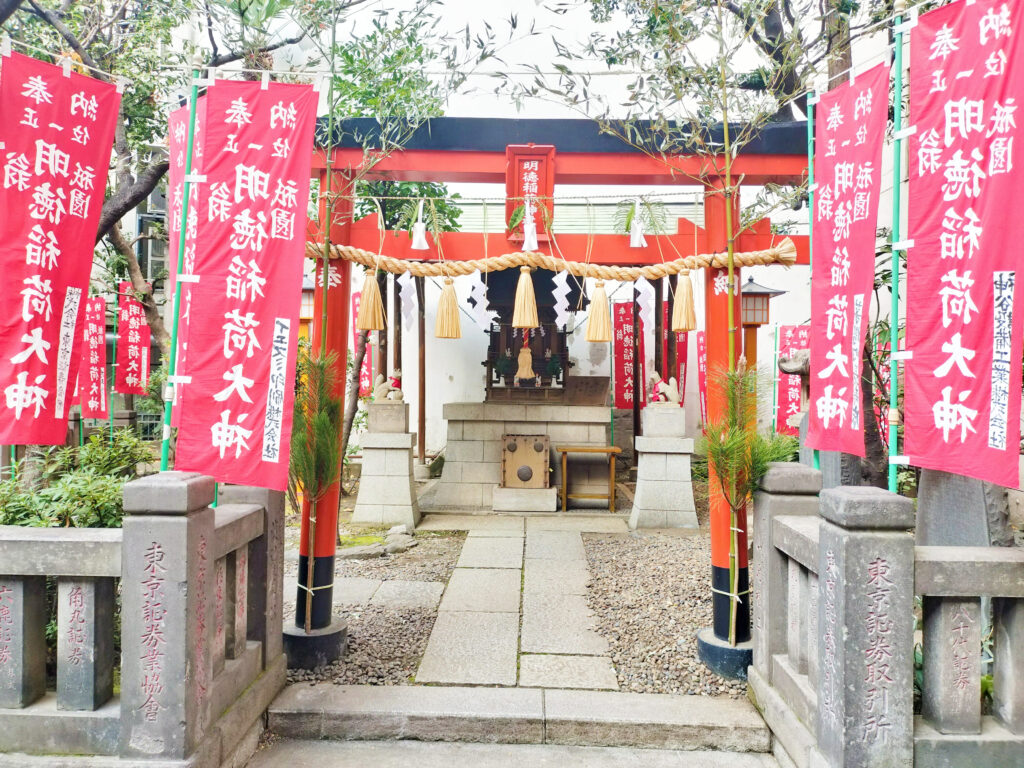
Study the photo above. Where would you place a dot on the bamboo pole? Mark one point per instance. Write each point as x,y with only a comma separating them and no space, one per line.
811,100
894,312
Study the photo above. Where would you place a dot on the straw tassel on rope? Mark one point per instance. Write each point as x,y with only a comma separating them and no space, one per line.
525,313
684,318
599,321
371,307
447,325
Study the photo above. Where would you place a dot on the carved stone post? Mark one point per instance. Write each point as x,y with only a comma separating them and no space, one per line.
866,629
167,587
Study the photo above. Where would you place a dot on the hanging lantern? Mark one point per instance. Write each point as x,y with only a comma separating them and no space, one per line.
529,230
524,315
684,318
599,323
636,228
447,325
371,307
419,231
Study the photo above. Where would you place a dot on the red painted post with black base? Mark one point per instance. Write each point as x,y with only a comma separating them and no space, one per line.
326,640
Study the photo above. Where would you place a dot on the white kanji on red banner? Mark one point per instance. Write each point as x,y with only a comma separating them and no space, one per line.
963,383
847,170
133,343
250,241
792,338
626,361
56,134
92,375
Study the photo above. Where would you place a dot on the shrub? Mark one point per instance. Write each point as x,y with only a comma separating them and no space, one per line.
118,457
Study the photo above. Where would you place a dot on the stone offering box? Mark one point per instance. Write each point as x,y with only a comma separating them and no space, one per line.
834,580
201,620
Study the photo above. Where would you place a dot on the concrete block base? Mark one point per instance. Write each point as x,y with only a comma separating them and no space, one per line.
723,659
524,499
317,649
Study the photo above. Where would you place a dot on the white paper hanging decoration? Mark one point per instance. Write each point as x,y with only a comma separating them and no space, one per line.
561,296
408,295
645,302
636,228
478,310
419,231
529,229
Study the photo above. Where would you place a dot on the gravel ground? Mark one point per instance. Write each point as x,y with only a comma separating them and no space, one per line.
384,648
432,560
651,594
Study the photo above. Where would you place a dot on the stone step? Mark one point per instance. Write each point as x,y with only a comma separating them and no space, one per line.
288,753
519,716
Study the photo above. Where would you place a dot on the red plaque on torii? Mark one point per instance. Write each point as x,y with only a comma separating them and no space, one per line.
530,182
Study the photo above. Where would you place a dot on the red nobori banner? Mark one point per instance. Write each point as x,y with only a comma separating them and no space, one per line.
56,132
622,335
366,370
177,147
133,342
702,374
849,133
791,339
963,383
258,148
92,375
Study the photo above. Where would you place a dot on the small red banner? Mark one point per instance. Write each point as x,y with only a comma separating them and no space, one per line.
624,353
366,371
791,339
133,344
963,383
850,131
702,374
92,376
56,132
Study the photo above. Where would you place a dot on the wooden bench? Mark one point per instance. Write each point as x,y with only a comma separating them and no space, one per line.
610,451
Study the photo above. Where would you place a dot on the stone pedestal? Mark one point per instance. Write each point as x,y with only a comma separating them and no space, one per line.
85,643
167,609
664,488
866,646
22,640
387,490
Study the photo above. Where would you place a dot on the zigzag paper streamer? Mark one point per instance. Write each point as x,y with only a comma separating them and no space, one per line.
408,295
561,294
645,299
481,315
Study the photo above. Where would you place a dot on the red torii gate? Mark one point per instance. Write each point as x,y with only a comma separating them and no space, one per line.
477,150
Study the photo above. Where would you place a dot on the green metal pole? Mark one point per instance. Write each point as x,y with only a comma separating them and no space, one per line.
894,312
775,382
810,210
173,360
14,460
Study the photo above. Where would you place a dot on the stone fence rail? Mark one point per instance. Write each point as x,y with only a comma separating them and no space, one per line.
200,593
835,579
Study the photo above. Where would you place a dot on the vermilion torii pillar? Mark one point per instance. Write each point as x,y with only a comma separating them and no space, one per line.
336,285
716,308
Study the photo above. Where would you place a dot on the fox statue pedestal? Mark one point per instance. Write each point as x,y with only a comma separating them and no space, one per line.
664,487
387,491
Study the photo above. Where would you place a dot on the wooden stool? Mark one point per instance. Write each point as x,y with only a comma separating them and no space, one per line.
610,451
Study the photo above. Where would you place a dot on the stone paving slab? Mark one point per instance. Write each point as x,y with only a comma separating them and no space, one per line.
471,523
556,577
551,671
408,594
653,720
491,552
492,590
559,624
288,753
471,647
485,533
555,545
605,523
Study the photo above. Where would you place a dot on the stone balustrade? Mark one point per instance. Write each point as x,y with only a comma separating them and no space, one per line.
835,576
200,633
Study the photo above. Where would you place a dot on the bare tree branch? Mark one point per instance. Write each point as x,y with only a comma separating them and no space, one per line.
128,196
54,21
7,9
145,291
227,58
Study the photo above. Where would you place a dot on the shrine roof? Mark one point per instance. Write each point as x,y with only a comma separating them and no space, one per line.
485,134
